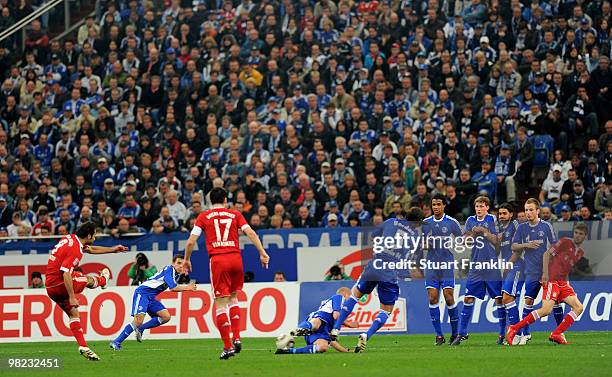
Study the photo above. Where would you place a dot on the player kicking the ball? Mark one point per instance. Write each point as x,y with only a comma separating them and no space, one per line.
144,301
64,283
220,226
316,328
558,261
384,280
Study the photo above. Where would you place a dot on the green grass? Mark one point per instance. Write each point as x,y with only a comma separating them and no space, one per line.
590,354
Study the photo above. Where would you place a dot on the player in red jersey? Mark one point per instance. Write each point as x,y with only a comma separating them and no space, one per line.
63,283
220,227
558,262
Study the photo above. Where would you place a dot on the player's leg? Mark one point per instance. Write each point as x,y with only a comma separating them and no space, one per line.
127,331
513,330
237,281
558,313
159,318
223,322
95,281
362,287
433,294
532,289
448,289
222,272
388,293
77,332
569,297
308,326
494,289
474,288
315,343
511,288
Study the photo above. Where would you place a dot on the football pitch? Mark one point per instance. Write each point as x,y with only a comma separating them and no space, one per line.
590,354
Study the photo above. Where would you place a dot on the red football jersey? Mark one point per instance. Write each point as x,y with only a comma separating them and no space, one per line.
565,255
220,228
64,258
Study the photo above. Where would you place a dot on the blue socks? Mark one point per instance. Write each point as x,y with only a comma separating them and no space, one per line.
124,334
466,317
434,312
153,322
347,308
558,313
453,314
305,325
526,311
501,315
380,320
308,349
513,313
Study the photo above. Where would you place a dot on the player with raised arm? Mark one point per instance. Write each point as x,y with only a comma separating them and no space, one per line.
64,283
557,263
144,301
383,279
532,239
220,227
512,283
441,276
319,324
482,227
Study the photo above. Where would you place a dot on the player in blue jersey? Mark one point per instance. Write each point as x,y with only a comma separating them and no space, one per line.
484,280
379,275
439,228
512,282
144,301
316,328
531,240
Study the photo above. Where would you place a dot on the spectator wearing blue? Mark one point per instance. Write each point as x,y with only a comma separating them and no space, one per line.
486,179
129,210
43,152
504,169
101,174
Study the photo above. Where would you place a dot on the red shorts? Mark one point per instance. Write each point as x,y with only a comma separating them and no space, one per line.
60,295
558,291
226,274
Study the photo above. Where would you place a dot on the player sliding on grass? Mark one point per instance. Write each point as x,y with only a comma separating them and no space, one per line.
375,275
558,262
220,226
63,283
316,328
144,301
532,239
482,225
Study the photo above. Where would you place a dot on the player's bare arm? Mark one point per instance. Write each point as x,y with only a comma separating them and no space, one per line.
105,250
185,287
546,260
70,289
339,347
191,242
263,256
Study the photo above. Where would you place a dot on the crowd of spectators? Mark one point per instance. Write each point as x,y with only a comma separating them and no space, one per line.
310,113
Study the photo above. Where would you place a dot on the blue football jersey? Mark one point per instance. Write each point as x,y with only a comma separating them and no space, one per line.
507,233
162,280
390,229
443,228
526,232
485,251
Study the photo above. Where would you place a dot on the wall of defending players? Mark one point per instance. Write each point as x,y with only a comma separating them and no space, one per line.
268,310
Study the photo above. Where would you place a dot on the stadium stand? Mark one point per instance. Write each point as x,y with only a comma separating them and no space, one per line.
302,109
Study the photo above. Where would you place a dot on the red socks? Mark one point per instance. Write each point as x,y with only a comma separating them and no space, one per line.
223,324
77,331
99,281
531,318
234,313
567,322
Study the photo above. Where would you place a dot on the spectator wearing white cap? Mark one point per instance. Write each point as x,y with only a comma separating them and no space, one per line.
551,189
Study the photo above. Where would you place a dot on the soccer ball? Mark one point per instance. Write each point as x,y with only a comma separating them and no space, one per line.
284,341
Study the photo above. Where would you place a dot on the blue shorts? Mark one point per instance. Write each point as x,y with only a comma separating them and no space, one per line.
513,282
477,287
321,333
440,279
327,318
388,292
532,287
143,303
